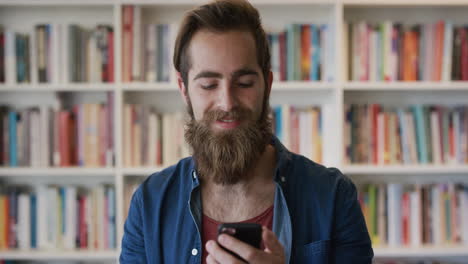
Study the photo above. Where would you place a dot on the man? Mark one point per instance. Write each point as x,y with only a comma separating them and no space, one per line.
239,171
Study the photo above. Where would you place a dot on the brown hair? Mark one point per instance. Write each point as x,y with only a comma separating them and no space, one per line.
221,16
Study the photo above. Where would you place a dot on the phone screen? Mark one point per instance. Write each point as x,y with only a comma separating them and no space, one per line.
250,233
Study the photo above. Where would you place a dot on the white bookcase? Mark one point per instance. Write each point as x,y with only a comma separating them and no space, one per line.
22,15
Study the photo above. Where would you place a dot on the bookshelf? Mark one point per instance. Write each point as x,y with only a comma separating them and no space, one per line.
406,169
58,88
61,255
404,86
22,15
54,171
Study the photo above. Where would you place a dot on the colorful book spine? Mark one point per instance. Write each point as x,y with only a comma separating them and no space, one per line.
12,118
55,217
408,52
414,215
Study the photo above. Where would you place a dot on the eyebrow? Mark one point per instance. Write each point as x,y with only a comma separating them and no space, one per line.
244,71
236,74
208,74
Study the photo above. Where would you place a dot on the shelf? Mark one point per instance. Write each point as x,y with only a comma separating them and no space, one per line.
422,252
406,169
22,15
41,171
410,86
41,87
144,171
62,255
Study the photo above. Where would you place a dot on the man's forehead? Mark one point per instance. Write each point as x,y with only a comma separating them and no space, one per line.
222,52
212,35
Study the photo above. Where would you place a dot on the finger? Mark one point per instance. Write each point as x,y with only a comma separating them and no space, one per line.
271,243
244,250
219,254
211,260
208,245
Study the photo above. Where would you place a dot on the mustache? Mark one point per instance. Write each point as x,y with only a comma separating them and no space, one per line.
237,113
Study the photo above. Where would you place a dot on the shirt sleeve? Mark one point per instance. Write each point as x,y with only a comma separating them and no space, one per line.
133,247
351,242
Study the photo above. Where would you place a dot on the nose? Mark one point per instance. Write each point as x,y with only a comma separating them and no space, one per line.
226,98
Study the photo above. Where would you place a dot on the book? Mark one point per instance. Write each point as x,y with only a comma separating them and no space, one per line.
412,134
43,136
405,214
152,138
390,51
52,217
300,124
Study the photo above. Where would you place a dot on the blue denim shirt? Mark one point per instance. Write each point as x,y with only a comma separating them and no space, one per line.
317,217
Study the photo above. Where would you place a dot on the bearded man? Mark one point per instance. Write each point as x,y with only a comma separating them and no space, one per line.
239,171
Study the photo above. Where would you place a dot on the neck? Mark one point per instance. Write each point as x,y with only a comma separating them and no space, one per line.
245,199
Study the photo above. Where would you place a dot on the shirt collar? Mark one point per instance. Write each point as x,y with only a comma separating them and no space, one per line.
283,160
193,174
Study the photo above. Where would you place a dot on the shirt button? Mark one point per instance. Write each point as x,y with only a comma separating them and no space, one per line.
194,252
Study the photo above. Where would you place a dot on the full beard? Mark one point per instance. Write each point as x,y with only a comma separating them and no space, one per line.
226,157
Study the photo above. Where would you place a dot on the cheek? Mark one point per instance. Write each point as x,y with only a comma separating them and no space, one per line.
198,107
256,102
197,113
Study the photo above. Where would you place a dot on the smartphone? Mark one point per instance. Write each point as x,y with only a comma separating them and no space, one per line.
250,233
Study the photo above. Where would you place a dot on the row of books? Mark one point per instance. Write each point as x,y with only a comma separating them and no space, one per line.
53,53
418,134
57,217
29,57
304,52
146,49
399,214
301,52
391,51
20,53
300,129
91,54
152,138
44,136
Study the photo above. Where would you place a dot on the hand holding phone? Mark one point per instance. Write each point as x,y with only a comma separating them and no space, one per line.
250,233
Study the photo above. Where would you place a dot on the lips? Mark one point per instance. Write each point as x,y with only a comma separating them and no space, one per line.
227,123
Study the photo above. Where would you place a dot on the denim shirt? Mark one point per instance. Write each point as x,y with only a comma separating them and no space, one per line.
317,217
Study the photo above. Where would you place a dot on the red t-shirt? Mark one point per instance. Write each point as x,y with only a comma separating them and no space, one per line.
210,227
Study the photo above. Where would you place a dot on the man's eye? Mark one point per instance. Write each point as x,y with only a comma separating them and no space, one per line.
245,85
209,87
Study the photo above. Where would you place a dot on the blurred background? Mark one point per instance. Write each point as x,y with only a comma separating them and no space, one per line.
89,107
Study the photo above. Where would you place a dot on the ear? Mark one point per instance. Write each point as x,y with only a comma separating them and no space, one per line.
182,89
269,83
